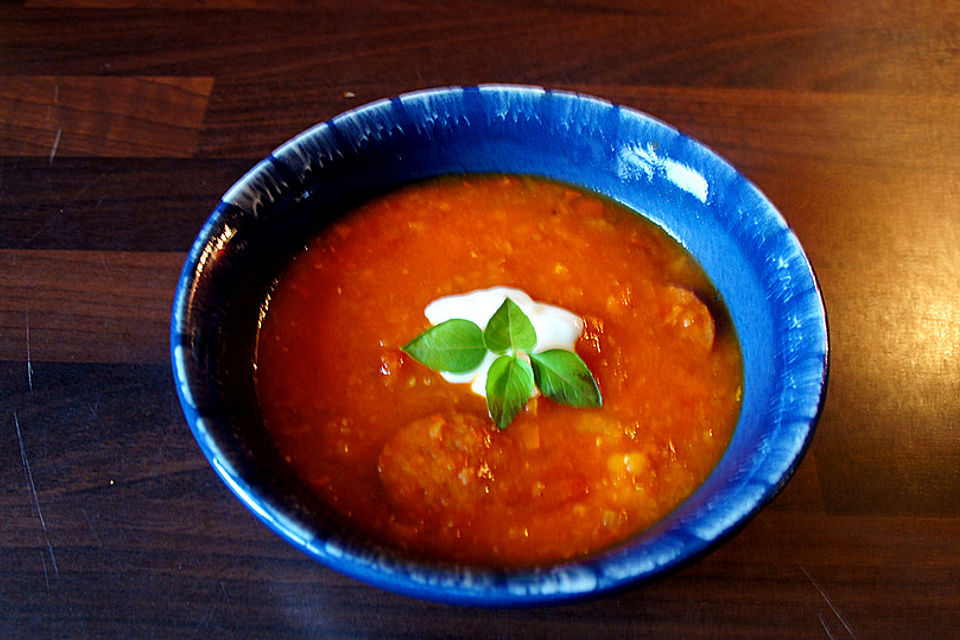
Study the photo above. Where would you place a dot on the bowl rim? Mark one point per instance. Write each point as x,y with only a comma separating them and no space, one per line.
576,579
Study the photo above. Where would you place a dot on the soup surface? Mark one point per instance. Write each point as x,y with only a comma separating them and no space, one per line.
415,461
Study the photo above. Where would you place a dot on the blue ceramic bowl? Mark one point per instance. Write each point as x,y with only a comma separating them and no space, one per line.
722,219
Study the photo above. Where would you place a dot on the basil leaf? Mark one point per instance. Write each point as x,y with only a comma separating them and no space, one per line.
509,328
509,387
564,378
455,346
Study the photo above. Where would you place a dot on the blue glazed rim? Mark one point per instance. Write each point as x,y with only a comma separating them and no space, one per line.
740,239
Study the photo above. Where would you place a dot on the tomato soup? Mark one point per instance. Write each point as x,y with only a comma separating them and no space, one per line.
415,461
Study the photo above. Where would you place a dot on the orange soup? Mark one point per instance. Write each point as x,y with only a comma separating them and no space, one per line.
415,461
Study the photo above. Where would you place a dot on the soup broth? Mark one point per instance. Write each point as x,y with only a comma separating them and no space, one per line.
415,461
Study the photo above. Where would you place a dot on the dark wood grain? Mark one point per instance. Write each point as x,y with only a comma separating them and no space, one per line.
101,116
876,47
110,204
121,123
87,306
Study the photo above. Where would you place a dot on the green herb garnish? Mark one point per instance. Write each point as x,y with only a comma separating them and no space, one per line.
564,378
509,329
459,346
509,386
455,346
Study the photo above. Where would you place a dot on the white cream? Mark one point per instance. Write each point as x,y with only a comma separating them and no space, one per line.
556,328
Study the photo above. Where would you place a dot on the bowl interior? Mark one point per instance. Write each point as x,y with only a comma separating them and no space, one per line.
737,236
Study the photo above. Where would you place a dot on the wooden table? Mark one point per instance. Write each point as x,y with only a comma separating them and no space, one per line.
122,122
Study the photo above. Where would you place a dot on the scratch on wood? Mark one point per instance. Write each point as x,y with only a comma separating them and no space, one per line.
36,500
56,143
204,622
26,319
93,183
93,530
46,575
829,602
826,629
227,598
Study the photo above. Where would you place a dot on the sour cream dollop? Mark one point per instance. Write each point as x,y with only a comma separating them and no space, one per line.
556,327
